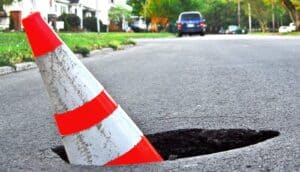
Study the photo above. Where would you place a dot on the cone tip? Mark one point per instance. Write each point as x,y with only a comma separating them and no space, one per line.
41,37
30,17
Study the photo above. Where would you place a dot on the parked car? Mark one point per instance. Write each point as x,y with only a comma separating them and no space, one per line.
292,27
234,29
222,31
283,29
191,22
138,24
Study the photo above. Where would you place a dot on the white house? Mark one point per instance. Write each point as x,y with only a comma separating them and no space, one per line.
49,8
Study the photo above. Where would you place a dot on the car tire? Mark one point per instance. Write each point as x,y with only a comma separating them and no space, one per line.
179,34
202,34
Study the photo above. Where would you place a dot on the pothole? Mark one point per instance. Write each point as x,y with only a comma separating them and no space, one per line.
194,142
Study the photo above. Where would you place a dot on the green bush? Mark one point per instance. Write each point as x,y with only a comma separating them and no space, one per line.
81,50
129,41
114,45
11,23
90,24
71,21
4,60
12,57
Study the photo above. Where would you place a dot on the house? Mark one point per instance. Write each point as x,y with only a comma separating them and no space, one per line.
53,8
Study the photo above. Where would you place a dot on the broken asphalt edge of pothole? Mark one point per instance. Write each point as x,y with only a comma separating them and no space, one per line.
188,143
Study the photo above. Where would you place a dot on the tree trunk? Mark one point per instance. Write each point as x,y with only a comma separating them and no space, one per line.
293,12
297,20
263,25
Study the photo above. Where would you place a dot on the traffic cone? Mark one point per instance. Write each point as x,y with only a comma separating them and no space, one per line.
94,129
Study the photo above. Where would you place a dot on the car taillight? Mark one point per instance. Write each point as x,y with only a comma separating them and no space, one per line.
202,24
179,25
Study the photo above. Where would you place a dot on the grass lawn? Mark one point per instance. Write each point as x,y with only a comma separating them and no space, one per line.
15,49
292,33
276,33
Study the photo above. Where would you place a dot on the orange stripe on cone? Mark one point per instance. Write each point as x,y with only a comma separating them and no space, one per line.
143,152
86,116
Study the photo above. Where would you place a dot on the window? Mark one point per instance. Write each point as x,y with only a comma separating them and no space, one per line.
190,17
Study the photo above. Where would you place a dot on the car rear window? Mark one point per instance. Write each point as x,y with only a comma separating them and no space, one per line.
233,27
194,16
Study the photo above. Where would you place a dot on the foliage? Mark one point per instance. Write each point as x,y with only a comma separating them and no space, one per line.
171,8
221,14
5,2
114,45
261,10
83,50
293,9
137,7
118,13
71,21
11,23
14,49
90,24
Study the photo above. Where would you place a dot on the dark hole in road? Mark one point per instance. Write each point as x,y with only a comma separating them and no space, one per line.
194,142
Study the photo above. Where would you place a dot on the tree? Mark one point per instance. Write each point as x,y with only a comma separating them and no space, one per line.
90,24
293,9
171,8
118,13
137,6
261,10
71,21
220,14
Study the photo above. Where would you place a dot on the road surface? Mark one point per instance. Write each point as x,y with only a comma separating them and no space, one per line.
209,82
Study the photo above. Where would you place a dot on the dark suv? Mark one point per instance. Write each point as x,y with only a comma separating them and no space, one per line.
191,22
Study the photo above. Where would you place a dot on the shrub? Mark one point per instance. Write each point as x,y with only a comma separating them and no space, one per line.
71,21
129,41
12,57
90,24
11,23
114,45
81,50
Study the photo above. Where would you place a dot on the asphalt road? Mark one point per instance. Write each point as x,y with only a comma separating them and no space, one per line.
209,82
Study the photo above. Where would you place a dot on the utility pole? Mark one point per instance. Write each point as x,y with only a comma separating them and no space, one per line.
97,15
145,13
273,17
239,13
250,18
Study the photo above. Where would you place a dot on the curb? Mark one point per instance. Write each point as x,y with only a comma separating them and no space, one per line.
4,70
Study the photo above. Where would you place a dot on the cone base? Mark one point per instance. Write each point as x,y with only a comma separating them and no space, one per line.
143,152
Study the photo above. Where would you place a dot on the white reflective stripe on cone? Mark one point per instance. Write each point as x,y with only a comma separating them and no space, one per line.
113,137
68,82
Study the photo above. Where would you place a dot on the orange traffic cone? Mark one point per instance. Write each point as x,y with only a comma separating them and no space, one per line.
94,129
